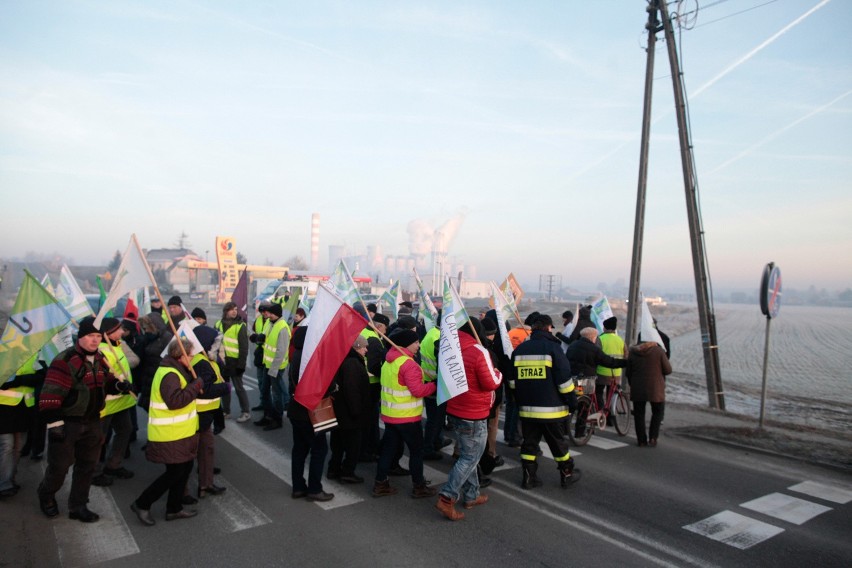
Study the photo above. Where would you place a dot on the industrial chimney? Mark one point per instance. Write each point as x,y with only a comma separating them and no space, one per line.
315,241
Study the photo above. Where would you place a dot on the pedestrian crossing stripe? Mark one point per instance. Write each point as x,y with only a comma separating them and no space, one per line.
734,529
787,508
824,491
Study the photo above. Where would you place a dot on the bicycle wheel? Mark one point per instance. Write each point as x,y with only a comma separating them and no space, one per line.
621,414
579,431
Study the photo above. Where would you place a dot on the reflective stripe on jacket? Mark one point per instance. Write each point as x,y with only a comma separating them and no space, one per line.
397,400
164,424
118,364
208,404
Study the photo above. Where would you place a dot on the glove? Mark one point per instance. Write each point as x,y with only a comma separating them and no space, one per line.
124,387
56,434
261,338
572,401
253,338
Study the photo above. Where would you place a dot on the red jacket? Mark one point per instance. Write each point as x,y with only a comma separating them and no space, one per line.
482,380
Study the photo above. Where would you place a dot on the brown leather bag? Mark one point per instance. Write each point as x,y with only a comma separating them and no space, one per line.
323,417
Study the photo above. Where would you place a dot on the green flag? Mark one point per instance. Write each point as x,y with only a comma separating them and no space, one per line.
288,310
36,318
102,301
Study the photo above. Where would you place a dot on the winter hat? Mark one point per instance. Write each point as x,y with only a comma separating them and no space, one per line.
542,321
206,336
488,326
275,309
87,326
474,323
610,323
381,318
108,325
404,337
406,322
175,301
531,318
198,313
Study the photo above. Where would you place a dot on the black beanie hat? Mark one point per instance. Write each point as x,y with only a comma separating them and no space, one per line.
108,325
87,326
404,337
610,323
488,326
198,313
531,318
381,318
175,301
275,309
206,336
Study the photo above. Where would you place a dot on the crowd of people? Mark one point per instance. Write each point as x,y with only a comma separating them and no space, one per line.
84,403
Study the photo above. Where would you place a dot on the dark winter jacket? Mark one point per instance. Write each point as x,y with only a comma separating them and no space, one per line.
584,320
352,398
647,367
585,357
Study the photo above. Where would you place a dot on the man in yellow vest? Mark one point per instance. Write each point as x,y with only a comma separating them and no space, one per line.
613,346
276,355
435,414
402,395
258,337
17,401
117,409
234,352
376,351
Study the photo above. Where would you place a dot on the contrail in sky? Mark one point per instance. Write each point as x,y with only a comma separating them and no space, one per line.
757,49
713,81
777,133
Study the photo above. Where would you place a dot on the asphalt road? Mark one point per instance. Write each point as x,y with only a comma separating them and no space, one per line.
685,503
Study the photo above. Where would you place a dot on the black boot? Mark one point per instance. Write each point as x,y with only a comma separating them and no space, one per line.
567,473
530,479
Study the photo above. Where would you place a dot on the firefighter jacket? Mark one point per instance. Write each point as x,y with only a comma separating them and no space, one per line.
541,379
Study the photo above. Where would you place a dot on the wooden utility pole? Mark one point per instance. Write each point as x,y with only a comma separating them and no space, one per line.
706,317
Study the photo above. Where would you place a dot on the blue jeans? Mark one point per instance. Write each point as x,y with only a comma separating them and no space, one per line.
10,450
280,396
412,434
463,480
306,441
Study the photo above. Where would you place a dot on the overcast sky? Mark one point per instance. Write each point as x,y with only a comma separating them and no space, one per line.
243,118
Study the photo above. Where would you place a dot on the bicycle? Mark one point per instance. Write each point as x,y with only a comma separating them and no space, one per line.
589,417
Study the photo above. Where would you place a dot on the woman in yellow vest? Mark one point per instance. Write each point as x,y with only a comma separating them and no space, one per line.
172,434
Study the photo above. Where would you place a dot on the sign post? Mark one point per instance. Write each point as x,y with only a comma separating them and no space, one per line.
770,305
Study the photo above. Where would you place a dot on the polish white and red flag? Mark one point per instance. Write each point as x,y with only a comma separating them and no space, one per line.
332,330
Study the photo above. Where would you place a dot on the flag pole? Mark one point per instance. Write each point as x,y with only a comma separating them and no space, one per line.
163,302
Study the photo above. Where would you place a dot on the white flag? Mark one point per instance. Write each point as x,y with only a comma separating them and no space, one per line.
600,312
646,325
71,297
452,379
184,330
131,274
503,311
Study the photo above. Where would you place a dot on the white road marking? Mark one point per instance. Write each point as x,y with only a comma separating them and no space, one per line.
787,508
734,529
84,544
605,443
234,508
596,529
280,465
833,493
